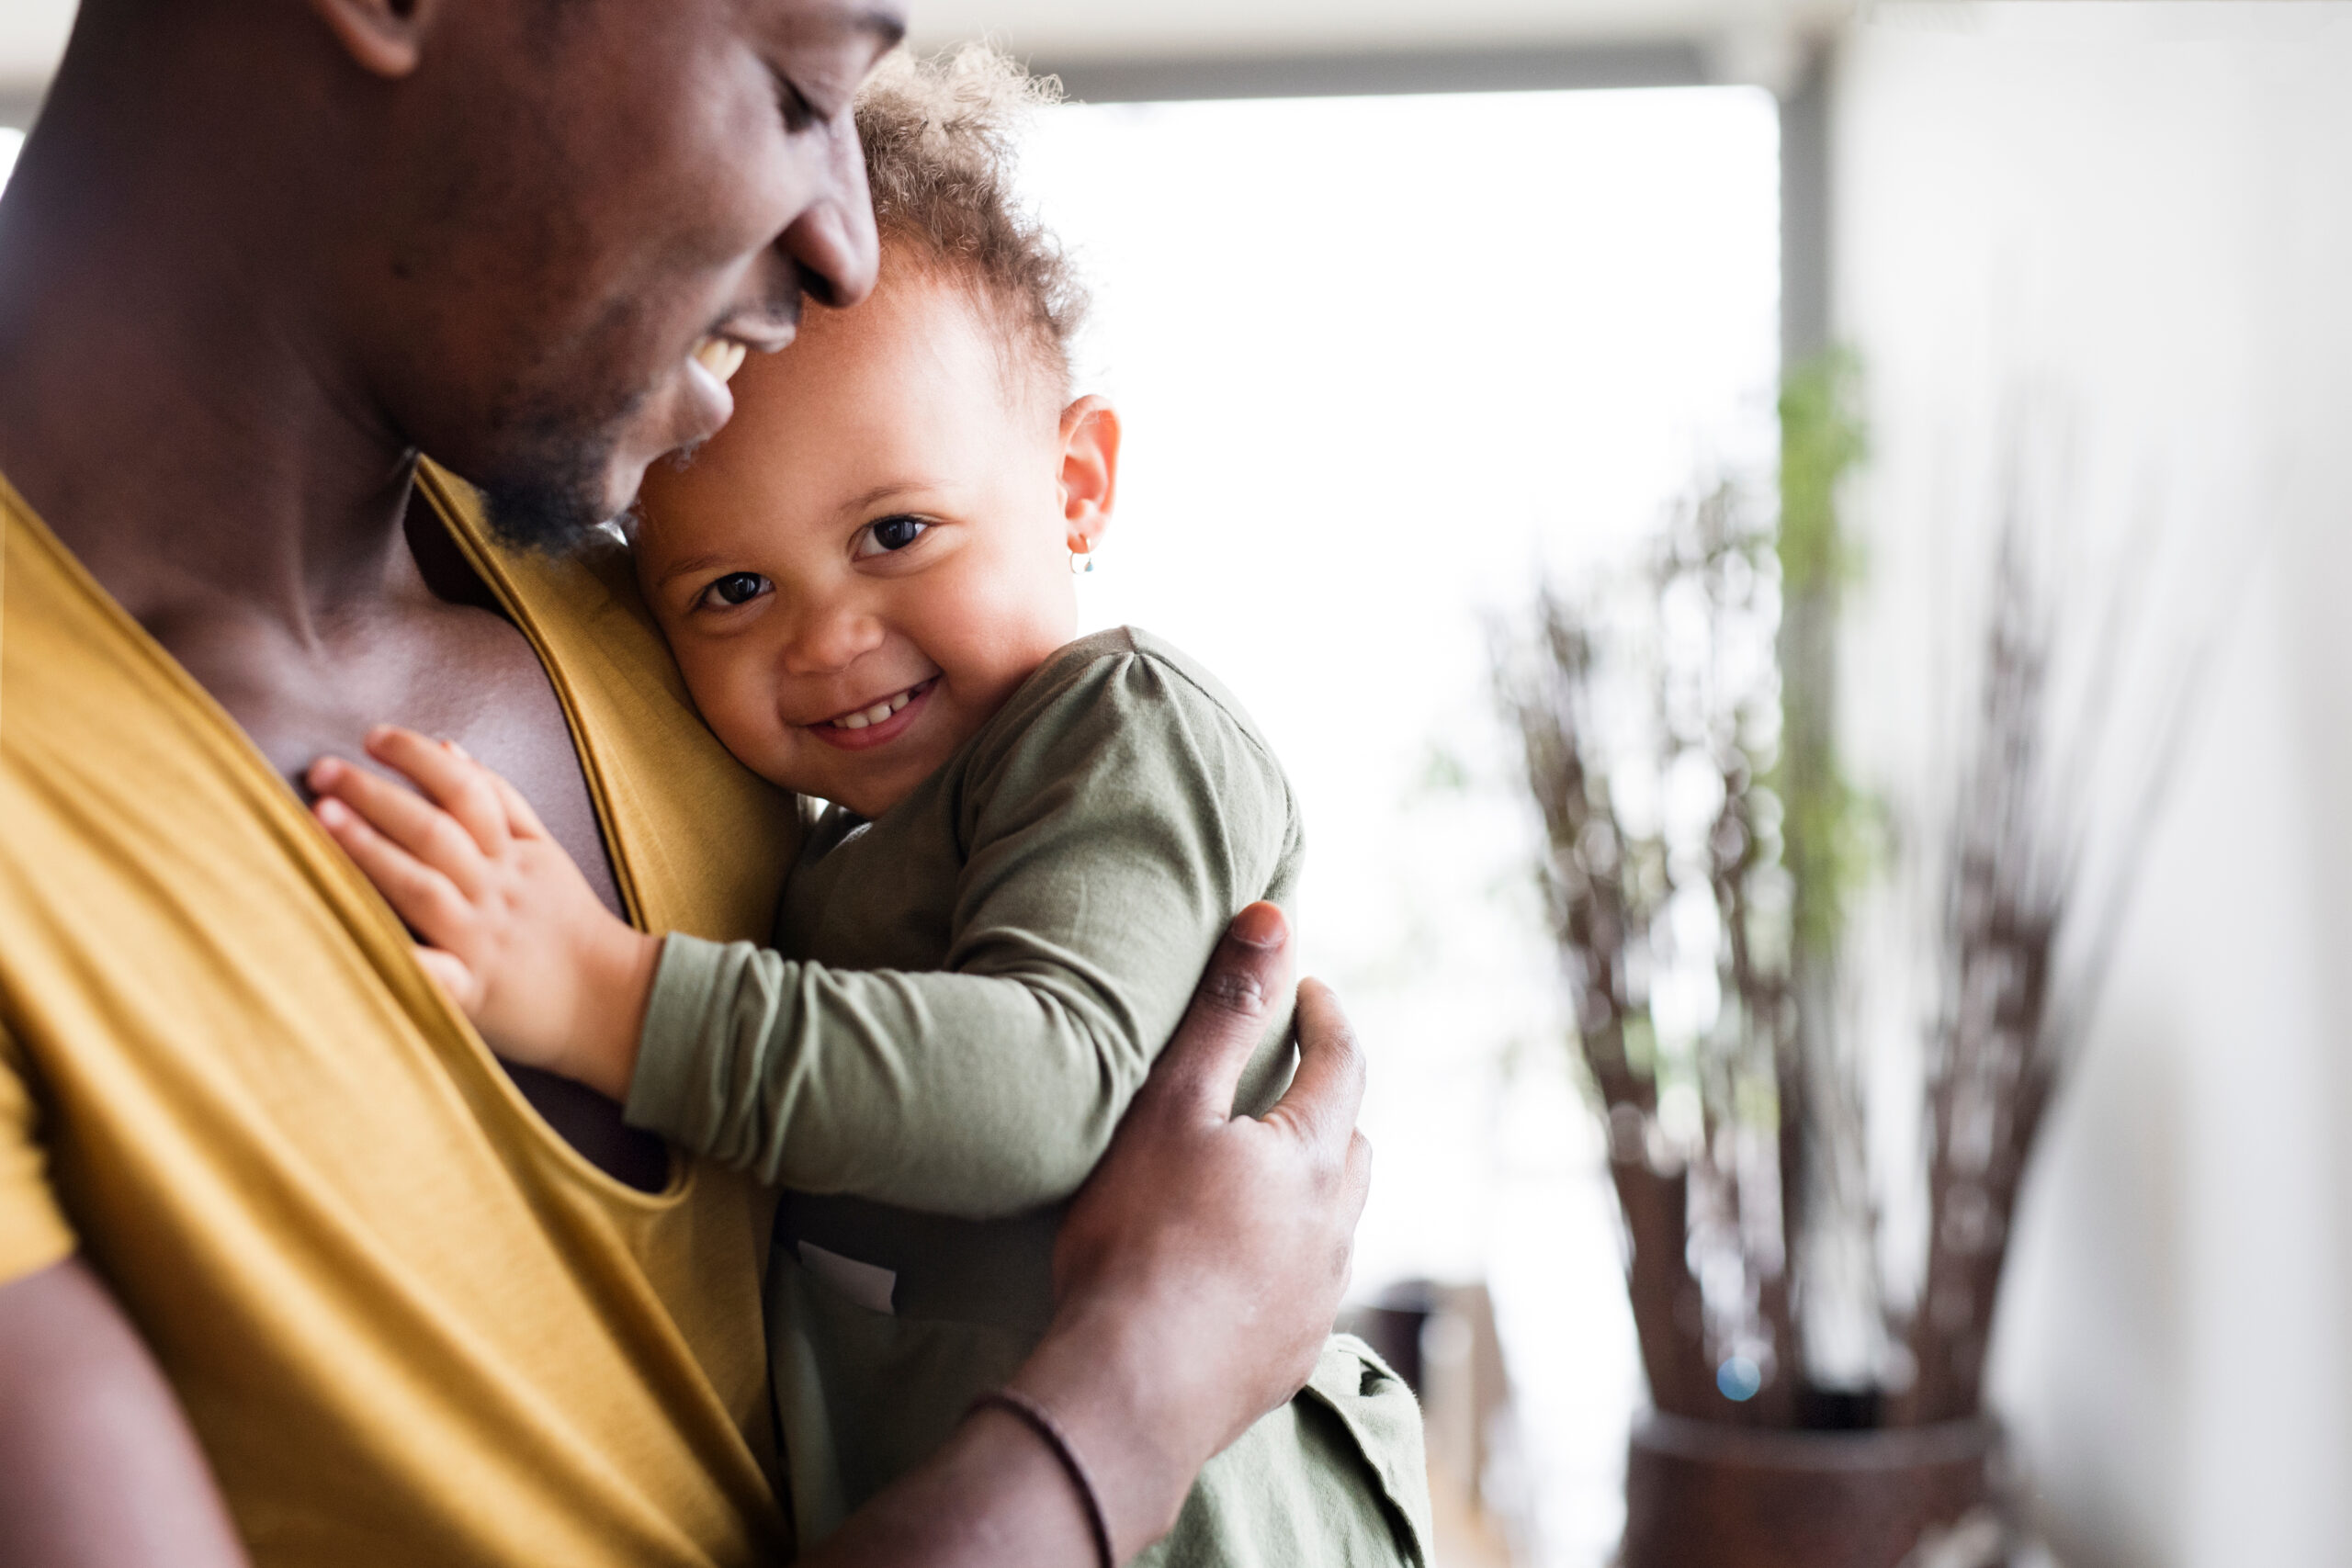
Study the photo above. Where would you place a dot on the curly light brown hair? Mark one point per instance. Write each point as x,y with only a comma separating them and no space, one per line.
941,136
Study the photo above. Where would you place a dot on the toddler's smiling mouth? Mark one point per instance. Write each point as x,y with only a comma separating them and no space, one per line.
877,723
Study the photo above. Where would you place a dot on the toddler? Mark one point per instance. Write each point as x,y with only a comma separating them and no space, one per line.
1032,848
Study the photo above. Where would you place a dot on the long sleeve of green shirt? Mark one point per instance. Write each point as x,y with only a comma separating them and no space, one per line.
965,993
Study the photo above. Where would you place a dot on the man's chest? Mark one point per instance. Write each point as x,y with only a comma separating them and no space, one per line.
369,1272
452,672
460,674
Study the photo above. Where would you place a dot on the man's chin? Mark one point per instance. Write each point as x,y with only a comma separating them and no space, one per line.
555,480
552,514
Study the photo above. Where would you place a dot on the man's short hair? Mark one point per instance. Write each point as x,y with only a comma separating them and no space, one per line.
941,139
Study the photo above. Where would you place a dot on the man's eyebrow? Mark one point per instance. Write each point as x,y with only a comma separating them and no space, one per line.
886,26
828,25
889,27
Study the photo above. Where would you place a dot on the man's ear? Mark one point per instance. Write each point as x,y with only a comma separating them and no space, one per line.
1089,469
386,38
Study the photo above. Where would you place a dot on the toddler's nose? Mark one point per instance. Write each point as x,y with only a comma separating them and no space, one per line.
829,639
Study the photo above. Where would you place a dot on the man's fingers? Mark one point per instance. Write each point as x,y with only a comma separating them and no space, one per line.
1354,1188
1238,993
1323,1098
450,778
426,899
1358,1179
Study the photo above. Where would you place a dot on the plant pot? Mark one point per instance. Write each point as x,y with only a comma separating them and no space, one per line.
1702,1495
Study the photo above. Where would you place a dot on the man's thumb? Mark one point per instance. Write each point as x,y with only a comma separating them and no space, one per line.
1247,976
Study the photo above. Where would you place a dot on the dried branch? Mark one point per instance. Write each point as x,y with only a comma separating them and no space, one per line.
1706,1205
2029,934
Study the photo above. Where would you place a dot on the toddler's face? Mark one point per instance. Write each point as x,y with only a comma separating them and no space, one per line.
859,569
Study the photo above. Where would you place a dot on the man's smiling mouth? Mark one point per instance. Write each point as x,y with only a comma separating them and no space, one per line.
722,356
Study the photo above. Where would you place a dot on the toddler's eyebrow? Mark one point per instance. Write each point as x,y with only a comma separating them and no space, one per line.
866,499
691,564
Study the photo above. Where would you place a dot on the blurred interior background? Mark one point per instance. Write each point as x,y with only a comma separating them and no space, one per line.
1409,308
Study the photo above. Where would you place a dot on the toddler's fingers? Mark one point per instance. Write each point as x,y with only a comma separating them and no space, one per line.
406,817
422,896
448,971
521,820
450,778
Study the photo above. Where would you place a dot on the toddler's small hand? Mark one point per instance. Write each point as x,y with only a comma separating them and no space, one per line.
460,983
510,929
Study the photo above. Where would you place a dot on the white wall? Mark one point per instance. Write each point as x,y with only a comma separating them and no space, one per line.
1088,29
32,35
2142,217
32,32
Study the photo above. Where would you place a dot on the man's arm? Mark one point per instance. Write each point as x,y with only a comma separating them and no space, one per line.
97,1465
1196,1277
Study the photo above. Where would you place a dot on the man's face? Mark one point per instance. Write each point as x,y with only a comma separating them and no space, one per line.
588,208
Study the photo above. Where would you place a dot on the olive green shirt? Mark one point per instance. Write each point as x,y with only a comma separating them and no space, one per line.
980,978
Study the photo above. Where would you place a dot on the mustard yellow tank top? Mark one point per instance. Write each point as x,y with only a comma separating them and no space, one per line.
409,1325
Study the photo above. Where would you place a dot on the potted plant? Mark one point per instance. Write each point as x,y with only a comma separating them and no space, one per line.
1700,843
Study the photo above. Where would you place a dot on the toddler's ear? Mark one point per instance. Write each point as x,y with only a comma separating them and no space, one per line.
1089,469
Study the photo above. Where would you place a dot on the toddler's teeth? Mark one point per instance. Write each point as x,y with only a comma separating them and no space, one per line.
866,717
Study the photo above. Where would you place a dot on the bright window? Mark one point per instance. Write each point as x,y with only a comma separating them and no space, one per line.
1381,361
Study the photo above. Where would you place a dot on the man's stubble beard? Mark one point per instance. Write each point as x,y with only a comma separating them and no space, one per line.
549,488
549,494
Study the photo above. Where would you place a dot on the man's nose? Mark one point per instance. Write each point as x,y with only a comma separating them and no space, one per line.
834,242
829,639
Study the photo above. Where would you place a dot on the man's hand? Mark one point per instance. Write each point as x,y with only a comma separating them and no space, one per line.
1196,1277
511,929
1205,1259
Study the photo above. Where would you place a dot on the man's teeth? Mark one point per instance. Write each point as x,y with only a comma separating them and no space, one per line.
877,713
722,356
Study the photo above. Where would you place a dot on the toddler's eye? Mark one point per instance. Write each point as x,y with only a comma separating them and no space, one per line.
736,588
887,534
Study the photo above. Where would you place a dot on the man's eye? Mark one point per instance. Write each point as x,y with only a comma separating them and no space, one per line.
889,534
823,101
736,588
793,105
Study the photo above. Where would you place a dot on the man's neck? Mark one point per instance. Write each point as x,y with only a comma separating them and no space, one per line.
176,404
173,405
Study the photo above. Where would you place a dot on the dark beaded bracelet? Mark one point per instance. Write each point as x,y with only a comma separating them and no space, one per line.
1042,1422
